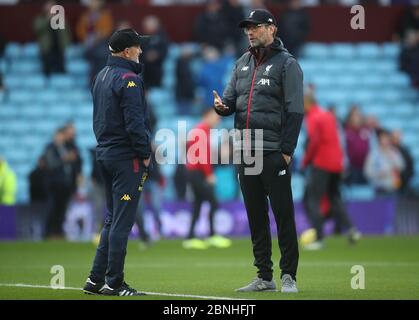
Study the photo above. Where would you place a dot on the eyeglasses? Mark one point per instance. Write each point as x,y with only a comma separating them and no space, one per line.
253,27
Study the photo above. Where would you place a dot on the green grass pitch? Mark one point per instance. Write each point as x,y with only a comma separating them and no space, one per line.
167,271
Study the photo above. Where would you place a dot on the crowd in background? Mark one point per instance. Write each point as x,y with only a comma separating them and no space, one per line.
374,155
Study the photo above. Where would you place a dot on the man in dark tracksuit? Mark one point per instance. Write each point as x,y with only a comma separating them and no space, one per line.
121,126
266,92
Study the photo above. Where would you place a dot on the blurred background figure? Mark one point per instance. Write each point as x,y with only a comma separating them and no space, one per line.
234,13
202,179
8,184
211,27
93,29
59,183
151,199
409,37
97,196
74,154
408,171
38,193
294,27
155,52
324,155
357,137
185,84
52,43
384,165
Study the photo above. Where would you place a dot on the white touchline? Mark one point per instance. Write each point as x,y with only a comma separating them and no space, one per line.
180,295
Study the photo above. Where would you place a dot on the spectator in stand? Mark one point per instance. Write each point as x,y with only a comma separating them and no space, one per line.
409,36
294,26
211,74
38,198
71,148
409,169
59,183
93,29
234,13
211,27
357,137
8,184
155,53
185,81
384,165
52,43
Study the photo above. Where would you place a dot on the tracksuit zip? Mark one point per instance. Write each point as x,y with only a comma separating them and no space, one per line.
250,102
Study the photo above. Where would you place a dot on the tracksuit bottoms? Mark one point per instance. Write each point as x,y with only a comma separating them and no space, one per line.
124,181
273,184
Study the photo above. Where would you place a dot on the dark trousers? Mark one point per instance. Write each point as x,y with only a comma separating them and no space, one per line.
274,183
59,197
320,183
124,181
202,191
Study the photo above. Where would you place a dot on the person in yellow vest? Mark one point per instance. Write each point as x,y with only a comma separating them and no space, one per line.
8,184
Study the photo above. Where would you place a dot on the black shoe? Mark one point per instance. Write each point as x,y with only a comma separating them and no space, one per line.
123,291
93,288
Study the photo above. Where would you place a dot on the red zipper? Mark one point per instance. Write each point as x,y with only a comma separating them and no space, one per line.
249,103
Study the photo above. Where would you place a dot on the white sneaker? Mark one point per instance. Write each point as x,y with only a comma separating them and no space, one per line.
288,284
316,245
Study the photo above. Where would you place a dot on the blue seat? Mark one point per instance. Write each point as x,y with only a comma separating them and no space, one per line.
32,112
77,67
20,97
391,50
359,192
342,50
12,81
61,82
363,96
316,51
13,50
368,51
391,96
226,190
348,81
25,67
8,112
372,81
398,80
74,52
30,50
35,82
48,96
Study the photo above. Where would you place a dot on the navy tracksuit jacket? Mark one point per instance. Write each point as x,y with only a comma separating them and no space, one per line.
122,130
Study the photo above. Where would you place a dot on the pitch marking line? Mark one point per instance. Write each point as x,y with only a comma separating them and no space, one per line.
23,285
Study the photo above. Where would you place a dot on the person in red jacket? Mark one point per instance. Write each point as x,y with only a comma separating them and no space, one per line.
324,155
201,179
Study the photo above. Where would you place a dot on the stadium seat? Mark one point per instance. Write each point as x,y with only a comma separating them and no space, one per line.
342,51
77,67
74,52
25,67
61,82
35,82
391,50
368,51
13,50
20,96
30,50
316,51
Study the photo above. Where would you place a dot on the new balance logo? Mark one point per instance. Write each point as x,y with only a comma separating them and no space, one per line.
282,172
125,197
131,84
245,68
264,82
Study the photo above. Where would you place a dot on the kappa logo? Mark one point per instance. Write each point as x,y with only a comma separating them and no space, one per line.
131,84
264,82
245,68
125,197
267,69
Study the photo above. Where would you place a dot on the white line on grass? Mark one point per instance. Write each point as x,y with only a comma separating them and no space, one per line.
180,295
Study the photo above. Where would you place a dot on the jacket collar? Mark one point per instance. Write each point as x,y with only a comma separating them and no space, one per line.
124,63
263,53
